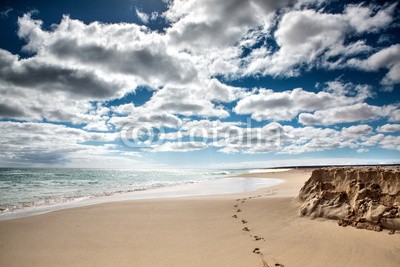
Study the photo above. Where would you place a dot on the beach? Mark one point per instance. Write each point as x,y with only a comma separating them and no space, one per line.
196,231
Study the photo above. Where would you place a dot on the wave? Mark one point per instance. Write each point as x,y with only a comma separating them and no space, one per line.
63,199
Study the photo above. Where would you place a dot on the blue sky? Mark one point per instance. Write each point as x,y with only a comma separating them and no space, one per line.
237,83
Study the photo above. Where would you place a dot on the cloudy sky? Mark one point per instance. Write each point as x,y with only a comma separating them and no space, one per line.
233,83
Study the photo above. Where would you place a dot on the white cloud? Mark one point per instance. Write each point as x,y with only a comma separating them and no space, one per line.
188,101
357,130
362,150
386,58
395,116
345,114
97,126
177,147
154,15
389,128
30,104
373,140
72,68
44,143
108,61
142,16
218,91
201,25
128,52
142,117
307,38
233,138
269,105
362,18
390,142
291,140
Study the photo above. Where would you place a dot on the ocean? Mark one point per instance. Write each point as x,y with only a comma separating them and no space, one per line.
30,191
27,187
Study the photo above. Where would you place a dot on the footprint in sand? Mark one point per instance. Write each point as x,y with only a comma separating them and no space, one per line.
257,238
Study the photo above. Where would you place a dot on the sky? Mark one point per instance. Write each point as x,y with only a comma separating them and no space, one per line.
190,83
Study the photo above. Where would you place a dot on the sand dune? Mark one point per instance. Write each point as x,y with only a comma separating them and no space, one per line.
260,228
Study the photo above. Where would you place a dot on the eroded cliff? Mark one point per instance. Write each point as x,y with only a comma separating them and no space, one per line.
364,197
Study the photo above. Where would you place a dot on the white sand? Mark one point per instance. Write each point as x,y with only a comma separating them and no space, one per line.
194,231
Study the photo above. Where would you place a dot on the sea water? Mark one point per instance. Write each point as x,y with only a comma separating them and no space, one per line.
35,190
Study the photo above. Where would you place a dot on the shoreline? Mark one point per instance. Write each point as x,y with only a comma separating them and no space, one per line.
195,231
220,186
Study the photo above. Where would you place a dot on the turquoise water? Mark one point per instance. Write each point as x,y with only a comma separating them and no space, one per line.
20,188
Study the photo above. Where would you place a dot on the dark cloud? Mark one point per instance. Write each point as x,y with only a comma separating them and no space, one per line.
145,62
42,157
9,111
34,74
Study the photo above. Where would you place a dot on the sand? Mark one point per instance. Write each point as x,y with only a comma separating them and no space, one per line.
195,231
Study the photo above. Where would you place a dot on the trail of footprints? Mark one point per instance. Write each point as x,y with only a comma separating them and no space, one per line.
256,250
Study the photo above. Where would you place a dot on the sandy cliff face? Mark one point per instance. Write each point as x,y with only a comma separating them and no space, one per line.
364,197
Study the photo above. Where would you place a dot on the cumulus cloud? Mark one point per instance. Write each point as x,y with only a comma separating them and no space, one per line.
127,54
36,74
30,104
357,130
307,38
390,142
232,138
286,139
36,143
270,105
388,58
389,128
201,25
310,139
394,116
183,101
177,147
127,49
73,69
108,61
132,117
363,19
345,114
362,150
